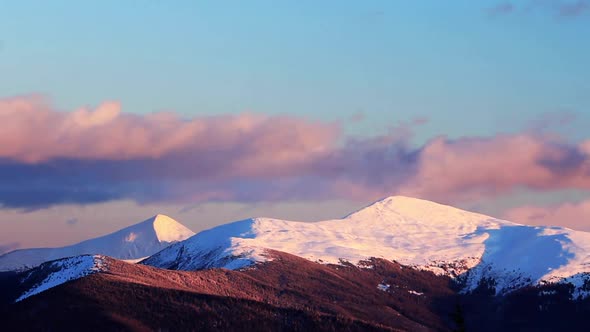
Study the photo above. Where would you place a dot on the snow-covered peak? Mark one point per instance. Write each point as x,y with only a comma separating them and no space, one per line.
408,209
136,241
412,231
415,232
408,206
168,229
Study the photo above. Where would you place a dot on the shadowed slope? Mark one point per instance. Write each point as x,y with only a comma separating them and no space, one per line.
288,293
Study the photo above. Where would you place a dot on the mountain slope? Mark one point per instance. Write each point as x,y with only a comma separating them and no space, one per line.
55,273
133,242
468,246
287,293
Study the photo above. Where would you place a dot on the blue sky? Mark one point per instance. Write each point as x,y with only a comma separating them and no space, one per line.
469,72
472,69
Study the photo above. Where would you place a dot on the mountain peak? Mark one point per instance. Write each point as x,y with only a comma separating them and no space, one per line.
168,229
399,200
133,242
415,232
412,208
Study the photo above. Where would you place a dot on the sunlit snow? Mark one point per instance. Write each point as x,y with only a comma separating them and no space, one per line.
415,232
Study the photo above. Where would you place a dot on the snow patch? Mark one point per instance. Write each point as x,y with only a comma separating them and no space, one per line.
66,270
131,237
547,293
135,260
383,287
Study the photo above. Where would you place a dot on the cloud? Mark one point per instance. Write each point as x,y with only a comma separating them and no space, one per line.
72,221
573,9
358,116
551,121
477,167
90,155
559,8
8,247
31,131
501,9
49,157
572,215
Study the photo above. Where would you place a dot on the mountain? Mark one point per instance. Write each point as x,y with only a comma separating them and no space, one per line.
132,243
470,247
400,264
286,293
55,273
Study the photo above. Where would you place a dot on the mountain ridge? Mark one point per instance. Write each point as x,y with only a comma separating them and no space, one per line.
133,242
295,290
430,236
285,293
469,247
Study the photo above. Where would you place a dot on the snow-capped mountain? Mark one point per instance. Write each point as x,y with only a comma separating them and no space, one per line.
470,247
131,243
57,272
445,240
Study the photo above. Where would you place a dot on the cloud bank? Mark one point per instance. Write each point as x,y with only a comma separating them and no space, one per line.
32,132
568,215
50,157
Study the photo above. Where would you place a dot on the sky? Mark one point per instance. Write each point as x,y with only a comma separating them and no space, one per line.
214,111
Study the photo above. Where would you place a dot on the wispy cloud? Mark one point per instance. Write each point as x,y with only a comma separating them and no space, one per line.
501,9
49,157
358,116
4,248
573,9
559,8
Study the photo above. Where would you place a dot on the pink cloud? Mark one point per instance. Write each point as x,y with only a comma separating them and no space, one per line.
571,215
89,155
32,131
475,167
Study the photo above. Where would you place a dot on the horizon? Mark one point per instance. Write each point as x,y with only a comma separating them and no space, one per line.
209,113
